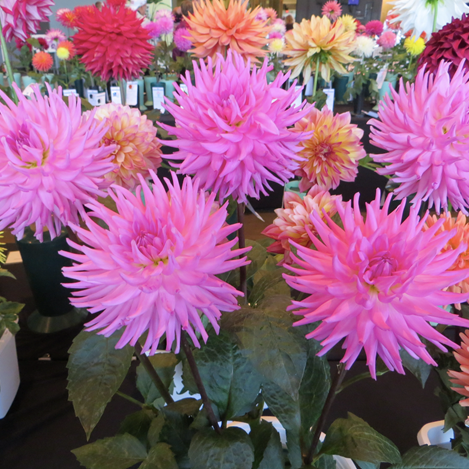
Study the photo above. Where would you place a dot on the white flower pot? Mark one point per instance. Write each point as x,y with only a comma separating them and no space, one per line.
432,434
9,372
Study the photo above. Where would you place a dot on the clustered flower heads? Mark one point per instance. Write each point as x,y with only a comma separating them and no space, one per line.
215,28
113,43
425,130
137,150
377,284
332,151
233,130
461,378
155,268
20,19
51,162
450,44
42,61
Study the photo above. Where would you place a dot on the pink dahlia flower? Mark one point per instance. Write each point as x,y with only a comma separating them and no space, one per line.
54,36
51,162
387,40
21,18
332,10
374,28
377,284
275,35
233,128
461,378
425,130
165,24
294,223
154,29
155,268
181,40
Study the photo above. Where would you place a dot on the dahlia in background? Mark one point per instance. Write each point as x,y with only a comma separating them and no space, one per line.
318,36
374,28
232,128
460,237
450,44
51,162
181,39
155,268
276,46
133,136
165,23
332,151
417,16
377,284
261,15
294,223
54,36
82,14
278,26
214,29
154,29
414,45
66,50
42,61
425,130
276,35
387,40
364,46
332,10
164,13
461,378
349,22
113,43
271,14
21,18
66,17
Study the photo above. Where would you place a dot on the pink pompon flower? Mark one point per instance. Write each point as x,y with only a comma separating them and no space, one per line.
461,378
51,162
21,18
155,268
154,29
54,36
275,35
181,40
165,24
377,284
425,130
332,10
164,13
374,28
387,40
233,129
42,61
294,223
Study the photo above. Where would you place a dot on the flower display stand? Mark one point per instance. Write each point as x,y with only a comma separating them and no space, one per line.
9,372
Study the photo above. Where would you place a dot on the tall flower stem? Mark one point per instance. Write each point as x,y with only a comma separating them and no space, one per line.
316,76
6,58
243,286
435,15
198,381
145,361
325,412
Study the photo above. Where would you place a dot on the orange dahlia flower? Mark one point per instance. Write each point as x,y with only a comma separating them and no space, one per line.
332,152
331,41
215,28
461,236
66,50
42,61
462,377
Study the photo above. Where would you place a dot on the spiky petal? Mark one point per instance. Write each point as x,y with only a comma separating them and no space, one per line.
155,268
66,17
377,284
461,378
332,10
233,128
51,162
42,61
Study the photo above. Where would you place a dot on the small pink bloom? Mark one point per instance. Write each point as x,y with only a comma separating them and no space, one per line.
165,24
461,378
374,28
387,40
332,10
181,40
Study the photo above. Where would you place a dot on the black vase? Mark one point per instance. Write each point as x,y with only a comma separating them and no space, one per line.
43,265
79,86
358,103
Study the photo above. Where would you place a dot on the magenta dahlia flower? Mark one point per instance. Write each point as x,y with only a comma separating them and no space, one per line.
387,40
374,28
165,25
377,283
181,40
21,18
155,268
425,130
233,128
154,29
51,162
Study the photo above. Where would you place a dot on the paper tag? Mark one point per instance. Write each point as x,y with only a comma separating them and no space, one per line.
184,88
381,76
131,93
29,90
299,99
98,99
116,96
330,93
90,93
70,92
158,98
309,87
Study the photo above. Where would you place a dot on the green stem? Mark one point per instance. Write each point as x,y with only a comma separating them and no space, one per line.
130,399
435,14
357,378
6,57
316,76
242,244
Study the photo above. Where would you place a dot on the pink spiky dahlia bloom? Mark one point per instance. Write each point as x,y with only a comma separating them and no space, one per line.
21,18
425,130
461,378
232,128
51,162
155,268
377,283
332,10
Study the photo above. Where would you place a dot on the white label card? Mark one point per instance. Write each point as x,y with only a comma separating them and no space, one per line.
116,96
131,93
158,98
183,87
299,99
330,93
98,99
70,92
381,76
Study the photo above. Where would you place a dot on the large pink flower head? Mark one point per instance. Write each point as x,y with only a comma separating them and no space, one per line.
425,130
51,162
21,18
377,283
332,10
155,268
233,127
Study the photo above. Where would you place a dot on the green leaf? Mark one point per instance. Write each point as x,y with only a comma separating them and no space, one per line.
154,431
137,425
366,465
6,273
268,281
230,450
268,451
187,406
96,370
160,456
326,461
164,363
10,307
418,368
432,457
118,452
454,415
354,438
